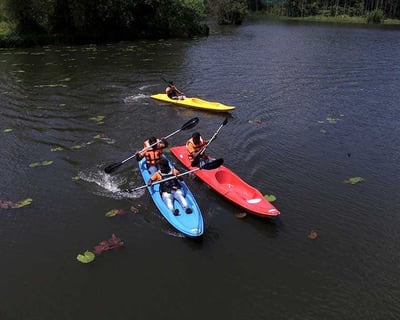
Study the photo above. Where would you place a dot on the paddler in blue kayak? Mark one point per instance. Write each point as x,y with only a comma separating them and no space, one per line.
173,92
170,189
152,151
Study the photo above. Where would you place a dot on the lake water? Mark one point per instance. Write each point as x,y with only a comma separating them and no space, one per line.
315,106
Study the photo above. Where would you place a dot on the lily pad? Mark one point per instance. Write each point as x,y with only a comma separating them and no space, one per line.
270,197
112,213
42,163
5,204
240,215
105,245
354,180
254,121
23,203
87,257
7,130
134,209
332,120
98,119
313,235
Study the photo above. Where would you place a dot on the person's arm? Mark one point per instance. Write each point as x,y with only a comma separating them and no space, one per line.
163,143
176,173
178,91
153,178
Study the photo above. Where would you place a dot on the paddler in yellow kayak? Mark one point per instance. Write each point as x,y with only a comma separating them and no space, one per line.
173,92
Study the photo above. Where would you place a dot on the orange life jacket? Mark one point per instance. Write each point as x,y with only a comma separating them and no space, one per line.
153,156
196,147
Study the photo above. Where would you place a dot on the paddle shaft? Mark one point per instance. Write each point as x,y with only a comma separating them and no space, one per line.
208,166
161,181
188,125
196,159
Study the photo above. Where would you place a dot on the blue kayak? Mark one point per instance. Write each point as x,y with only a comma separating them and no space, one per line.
192,224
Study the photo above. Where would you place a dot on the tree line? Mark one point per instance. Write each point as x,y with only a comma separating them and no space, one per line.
303,8
79,21
104,20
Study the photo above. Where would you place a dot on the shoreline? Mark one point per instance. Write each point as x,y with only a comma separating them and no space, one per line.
8,39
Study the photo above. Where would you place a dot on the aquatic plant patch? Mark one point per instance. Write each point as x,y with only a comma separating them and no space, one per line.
5,204
40,163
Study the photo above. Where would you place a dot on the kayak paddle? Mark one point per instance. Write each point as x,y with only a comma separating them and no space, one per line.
188,125
208,166
196,160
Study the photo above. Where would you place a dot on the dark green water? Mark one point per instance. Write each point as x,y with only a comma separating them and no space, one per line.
316,105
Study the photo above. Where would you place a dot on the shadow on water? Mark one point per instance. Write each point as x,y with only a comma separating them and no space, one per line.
269,227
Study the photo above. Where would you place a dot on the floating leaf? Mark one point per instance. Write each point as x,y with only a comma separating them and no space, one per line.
97,136
87,257
240,215
97,118
23,203
270,197
4,204
34,164
322,131
112,213
109,244
76,147
134,209
320,121
75,178
38,164
313,235
7,130
57,149
354,180
254,121
12,205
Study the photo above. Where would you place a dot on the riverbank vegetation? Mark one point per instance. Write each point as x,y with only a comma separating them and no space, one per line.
358,11
35,22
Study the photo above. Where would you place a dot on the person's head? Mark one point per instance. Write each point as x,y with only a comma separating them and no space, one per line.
196,137
153,140
164,166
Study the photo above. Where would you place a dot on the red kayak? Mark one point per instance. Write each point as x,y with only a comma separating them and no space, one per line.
230,185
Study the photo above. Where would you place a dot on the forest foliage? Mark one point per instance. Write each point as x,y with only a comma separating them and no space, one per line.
104,20
79,21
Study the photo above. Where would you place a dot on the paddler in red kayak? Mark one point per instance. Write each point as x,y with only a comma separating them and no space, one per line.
152,154
195,147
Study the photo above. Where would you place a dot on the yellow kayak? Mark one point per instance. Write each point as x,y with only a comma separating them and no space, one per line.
195,103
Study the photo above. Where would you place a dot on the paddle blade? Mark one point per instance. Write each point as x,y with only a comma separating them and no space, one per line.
225,121
190,124
112,167
213,164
